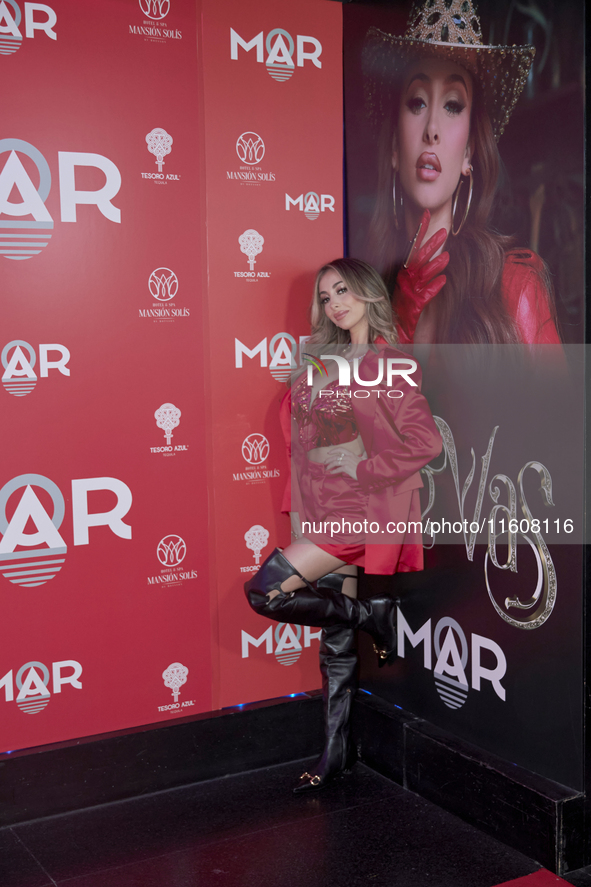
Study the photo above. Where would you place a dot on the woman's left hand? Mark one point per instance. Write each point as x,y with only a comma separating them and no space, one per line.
342,461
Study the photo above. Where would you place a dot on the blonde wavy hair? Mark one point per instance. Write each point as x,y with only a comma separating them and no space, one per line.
366,285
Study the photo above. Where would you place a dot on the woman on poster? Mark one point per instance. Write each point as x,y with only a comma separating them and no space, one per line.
354,459
444,99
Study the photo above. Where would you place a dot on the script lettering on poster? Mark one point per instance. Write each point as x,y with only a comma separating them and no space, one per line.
538,607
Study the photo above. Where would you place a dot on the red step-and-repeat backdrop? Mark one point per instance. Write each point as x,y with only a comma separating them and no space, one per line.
170,180
273,159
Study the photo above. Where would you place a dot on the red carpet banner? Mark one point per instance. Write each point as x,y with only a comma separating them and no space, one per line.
273,142
141,435
103,556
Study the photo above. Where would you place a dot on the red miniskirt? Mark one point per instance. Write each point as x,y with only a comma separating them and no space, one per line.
334,499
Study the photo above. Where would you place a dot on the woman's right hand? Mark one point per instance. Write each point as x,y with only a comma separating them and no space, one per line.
420,280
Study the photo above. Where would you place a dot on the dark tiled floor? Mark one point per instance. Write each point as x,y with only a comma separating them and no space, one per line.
250,831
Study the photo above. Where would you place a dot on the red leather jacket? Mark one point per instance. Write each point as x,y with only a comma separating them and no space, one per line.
400,438
526,298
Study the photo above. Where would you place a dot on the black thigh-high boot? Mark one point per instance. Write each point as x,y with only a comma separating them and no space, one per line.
307,606
338,665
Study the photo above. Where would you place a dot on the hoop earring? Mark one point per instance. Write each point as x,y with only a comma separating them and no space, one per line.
455,203
396,219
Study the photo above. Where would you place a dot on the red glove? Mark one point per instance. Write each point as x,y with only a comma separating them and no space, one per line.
420,281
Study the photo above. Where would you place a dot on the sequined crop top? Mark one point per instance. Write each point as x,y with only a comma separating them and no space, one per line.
328,421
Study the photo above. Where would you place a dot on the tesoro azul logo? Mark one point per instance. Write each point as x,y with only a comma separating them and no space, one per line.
31,559
18,359
280,48
11,37
23,239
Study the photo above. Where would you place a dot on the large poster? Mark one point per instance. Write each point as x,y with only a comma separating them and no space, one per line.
104,583
490,637
273,152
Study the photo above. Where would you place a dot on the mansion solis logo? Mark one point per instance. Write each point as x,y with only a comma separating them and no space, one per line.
175,678
311,204
19,359
279,355
286,642
448,640
255,449
29,685
163,285
280,49
171,551
256,452
250,149
251,245
168,417
22,238
154,28
38,17
159,143
30,559
155,9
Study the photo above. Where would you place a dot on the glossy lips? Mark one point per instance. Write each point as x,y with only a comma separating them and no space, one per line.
428,167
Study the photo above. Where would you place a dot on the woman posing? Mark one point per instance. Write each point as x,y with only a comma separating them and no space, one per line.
353,459
445,99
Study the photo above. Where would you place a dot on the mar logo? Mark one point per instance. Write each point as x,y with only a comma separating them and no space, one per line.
11,24
30,558
281,48
18,359
22,237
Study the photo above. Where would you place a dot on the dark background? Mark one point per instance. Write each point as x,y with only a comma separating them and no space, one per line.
540,201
